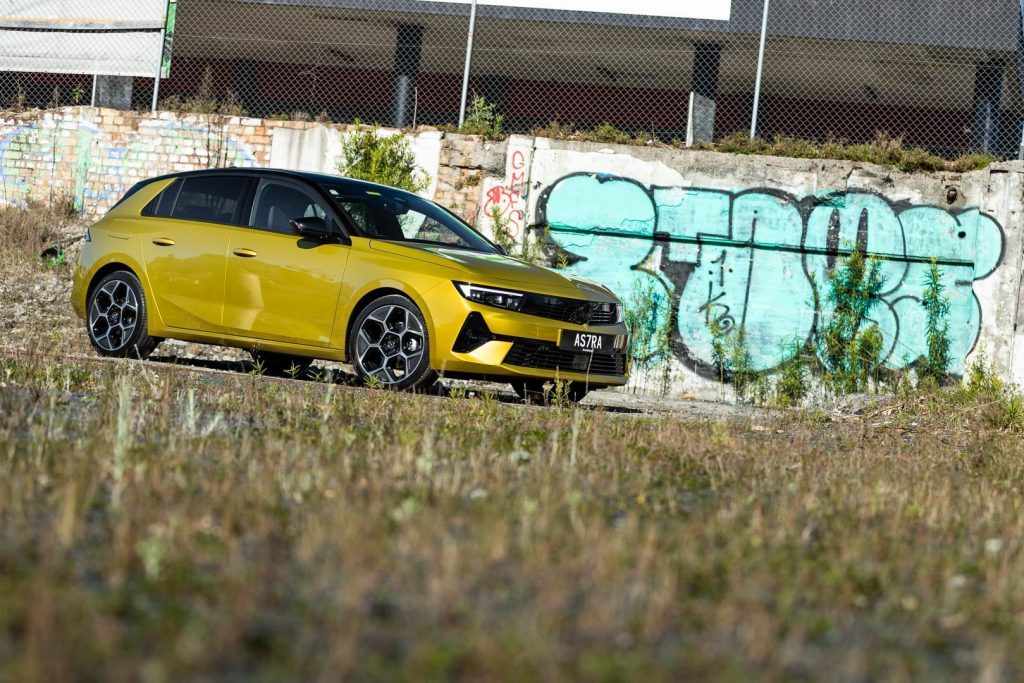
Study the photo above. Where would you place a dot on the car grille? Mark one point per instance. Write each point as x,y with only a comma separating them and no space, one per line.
543,356
570,310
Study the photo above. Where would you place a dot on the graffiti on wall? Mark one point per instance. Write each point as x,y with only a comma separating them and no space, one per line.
754,259
44,158
508,198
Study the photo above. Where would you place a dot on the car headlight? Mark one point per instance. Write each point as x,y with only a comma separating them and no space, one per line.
508,299
619,317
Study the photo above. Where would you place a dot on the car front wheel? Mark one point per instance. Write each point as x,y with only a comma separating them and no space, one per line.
389,345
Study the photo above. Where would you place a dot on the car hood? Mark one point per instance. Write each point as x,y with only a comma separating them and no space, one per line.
498,269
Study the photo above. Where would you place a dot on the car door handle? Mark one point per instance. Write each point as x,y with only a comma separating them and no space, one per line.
244,253
163,242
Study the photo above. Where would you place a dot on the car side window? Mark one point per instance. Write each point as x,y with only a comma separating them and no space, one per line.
277,204
213,199
162,204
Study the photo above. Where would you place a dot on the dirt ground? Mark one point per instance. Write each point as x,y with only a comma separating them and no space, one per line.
37,316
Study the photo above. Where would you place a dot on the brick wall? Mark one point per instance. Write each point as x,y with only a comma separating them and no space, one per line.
94,155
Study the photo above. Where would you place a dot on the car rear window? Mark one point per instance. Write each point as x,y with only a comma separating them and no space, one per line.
213,199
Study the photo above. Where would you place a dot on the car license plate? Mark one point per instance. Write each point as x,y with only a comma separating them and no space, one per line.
587,341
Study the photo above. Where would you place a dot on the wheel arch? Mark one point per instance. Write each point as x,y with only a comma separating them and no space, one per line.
117,263
105,270
376,293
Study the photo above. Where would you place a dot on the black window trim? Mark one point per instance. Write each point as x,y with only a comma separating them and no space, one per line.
236,216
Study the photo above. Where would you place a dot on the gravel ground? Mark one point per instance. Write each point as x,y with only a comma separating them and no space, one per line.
35,311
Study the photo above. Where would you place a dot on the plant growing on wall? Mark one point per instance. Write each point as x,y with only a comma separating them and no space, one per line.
483,119
499,227
648,320
849,345
732,361
934,365
792,382
384,159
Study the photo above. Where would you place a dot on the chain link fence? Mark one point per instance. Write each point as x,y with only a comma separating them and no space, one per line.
942,75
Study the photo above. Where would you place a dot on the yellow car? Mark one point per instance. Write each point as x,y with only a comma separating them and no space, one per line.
298,266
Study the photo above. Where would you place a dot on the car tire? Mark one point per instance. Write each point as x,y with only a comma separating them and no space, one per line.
117,317
534,391
280,364
389,345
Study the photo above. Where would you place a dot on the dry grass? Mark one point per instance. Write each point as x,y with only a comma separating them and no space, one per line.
35,292
158,527
26,232
885,150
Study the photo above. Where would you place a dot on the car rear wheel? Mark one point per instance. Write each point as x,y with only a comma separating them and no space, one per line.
389,345
280,364
544,392
117,317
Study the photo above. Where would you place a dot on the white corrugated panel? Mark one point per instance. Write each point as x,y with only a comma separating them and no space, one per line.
680,9
106,37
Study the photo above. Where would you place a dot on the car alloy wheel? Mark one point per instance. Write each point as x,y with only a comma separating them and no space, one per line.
113,315
389,344
117,317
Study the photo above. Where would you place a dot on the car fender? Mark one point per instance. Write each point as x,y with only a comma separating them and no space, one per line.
357,297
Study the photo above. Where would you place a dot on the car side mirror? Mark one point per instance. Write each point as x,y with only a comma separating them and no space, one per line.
312,227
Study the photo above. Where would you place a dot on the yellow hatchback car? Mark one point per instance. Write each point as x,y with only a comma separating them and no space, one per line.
298,266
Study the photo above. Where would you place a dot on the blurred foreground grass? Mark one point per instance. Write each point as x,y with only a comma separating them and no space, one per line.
159,526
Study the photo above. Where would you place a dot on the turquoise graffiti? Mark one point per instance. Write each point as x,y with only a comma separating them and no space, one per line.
757,259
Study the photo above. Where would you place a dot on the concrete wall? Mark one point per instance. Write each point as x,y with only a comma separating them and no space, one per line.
747,242
742,241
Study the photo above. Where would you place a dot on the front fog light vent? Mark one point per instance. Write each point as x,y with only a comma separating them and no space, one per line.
473,335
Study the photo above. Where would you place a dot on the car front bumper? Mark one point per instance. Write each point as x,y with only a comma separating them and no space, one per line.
522,346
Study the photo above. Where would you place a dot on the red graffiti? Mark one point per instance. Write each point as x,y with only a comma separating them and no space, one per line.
506,201
508,198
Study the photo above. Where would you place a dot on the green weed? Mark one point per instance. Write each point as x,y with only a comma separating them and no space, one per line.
384,159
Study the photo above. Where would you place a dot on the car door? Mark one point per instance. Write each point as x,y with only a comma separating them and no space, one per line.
185,236
280,286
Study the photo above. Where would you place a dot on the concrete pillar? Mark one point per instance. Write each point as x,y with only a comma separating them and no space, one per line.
114,92
407,69
495,90
8,89
706,57
988,98
243,84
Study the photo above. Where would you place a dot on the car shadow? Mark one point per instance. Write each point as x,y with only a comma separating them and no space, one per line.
338,376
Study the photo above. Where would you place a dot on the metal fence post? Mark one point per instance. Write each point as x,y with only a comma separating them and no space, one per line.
469,62
760,68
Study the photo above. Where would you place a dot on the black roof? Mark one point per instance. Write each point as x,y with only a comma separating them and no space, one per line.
308,176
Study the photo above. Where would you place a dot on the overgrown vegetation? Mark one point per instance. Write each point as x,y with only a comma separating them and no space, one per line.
792,381
604,133
366,154
500,231
26,232
731,358
483,118
159,526
648,318
936,305
885,149
204,101
849,345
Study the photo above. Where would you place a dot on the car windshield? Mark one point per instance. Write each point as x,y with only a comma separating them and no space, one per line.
396,216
